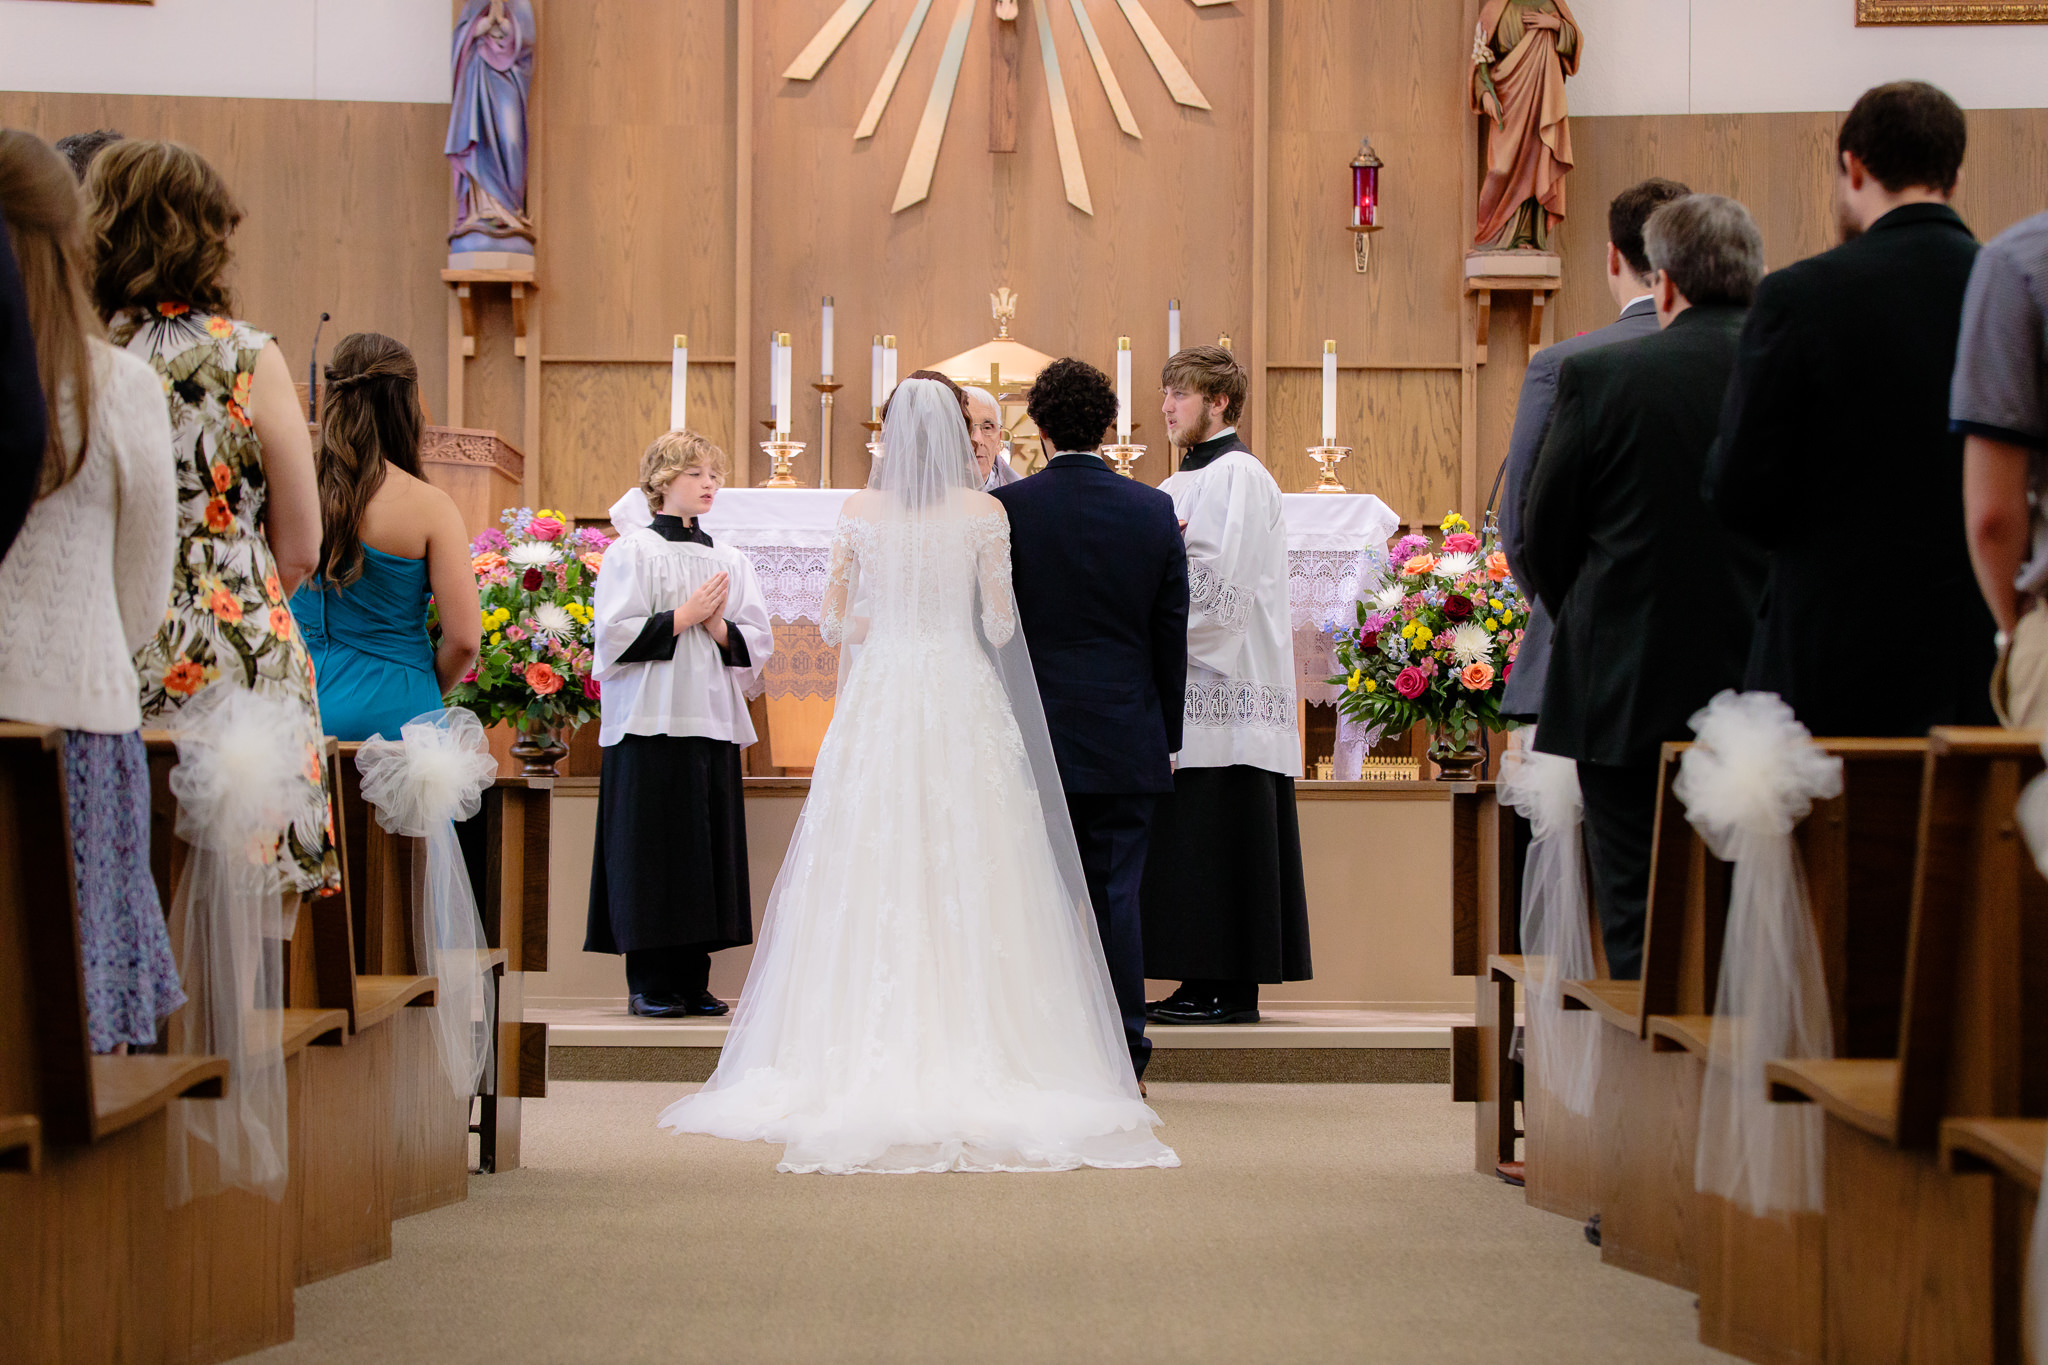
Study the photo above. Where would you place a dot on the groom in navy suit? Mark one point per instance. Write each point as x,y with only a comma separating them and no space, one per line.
1101,579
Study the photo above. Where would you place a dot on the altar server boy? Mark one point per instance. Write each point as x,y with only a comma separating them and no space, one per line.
682,635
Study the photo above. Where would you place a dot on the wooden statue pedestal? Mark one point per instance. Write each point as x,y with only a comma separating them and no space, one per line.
1538,274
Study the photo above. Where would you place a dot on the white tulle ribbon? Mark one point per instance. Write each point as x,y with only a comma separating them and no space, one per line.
1751,775
1563,1048
240,782
420,786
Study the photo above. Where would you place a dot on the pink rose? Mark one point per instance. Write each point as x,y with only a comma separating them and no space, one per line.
1410,682
1463,543
591,690
1477,677
544,528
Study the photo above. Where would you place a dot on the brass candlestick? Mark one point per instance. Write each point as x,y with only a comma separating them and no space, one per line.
1327,458
782,454
1120,457
873,427
826,388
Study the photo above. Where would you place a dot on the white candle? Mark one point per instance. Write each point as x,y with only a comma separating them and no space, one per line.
782,384
1173,327
888,366
826,368
1329,393
774,373
1123,391
679,384
875,377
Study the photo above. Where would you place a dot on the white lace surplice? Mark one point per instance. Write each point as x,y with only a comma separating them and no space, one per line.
1241,671
926,994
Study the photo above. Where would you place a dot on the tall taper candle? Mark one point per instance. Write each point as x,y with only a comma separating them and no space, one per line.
875,377
774,389
888,366
826,348
679,384
1173,327
782,385
1123,391
1329,393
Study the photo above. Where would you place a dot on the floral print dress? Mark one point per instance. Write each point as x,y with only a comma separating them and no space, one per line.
228,621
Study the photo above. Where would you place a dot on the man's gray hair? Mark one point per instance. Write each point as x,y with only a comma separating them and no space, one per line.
1709,246
984,395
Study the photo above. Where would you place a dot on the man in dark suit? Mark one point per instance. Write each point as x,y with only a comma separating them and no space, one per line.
1652,596
1628,281
1101,579
1835,437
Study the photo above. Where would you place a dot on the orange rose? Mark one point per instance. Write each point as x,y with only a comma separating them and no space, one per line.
225,605
593,561
218,517
222,477
543,680
487,563
1419,565
1497,567
280,623
1476,677
219,327
184,678
173,310
273,589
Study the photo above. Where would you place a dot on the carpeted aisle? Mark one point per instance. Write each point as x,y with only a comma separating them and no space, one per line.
1309,1223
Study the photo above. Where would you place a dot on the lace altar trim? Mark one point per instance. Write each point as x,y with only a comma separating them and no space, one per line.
1324,585
1238,703
792,578
1224,602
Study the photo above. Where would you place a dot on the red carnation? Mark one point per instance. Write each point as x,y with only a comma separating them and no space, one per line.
1458,607
1370,640
531,581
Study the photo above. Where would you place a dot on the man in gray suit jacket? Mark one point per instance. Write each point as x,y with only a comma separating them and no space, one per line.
1628,272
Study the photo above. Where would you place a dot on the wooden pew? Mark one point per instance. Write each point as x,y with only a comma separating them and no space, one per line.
83,1264
511,878
1909,1265
2010,1150
1486,898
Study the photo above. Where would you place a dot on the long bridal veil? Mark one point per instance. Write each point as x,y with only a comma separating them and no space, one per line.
928,992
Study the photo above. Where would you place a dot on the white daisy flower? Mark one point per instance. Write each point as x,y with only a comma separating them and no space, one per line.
550,618
1456,565
1470,644
1389,597
532,554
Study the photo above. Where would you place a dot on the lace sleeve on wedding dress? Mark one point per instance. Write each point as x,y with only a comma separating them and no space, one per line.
992,559
838,582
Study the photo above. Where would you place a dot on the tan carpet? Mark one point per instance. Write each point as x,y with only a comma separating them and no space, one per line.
1308,1223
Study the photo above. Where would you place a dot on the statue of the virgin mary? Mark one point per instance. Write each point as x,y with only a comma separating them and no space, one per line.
1521,54
493,67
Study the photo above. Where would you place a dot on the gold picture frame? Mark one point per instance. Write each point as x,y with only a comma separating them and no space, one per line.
1870,12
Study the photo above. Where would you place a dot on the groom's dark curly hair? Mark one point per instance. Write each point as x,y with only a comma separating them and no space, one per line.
1073,404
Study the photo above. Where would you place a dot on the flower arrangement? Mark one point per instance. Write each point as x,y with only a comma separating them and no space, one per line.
1438,642
534,581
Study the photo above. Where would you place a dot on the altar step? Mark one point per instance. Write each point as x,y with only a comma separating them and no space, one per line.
607,1044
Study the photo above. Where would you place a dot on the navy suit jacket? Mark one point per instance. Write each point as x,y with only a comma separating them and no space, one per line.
1101,578
1524,695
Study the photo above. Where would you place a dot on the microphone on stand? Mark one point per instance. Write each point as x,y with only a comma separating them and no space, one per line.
313,374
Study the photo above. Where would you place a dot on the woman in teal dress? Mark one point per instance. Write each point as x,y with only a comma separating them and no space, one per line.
391,544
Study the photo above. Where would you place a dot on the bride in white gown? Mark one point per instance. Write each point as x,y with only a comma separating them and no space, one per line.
928,992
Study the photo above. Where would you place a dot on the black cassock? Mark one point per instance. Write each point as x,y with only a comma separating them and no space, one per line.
671,864
1224,896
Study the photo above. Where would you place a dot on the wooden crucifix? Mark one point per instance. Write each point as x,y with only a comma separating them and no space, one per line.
1005,54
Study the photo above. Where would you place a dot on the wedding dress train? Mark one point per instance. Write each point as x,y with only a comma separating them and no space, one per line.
928,993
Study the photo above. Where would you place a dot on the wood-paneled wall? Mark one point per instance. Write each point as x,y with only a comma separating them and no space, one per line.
682,185
345,208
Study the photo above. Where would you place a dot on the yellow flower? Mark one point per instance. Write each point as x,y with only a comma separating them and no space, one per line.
497,638
1496,604
1423,635
1408,631
1492,624
1351,683
1371,686
1454,523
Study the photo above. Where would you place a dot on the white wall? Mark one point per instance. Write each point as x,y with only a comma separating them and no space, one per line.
276,49
1761,56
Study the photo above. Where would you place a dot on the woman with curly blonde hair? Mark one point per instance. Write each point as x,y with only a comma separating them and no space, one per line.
248,504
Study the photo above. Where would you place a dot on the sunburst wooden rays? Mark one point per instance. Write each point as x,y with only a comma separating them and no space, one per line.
931,129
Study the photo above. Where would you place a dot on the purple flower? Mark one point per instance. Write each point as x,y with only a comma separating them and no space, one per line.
490,540
1408,547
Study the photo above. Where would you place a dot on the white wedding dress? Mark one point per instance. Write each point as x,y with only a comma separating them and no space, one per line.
928,992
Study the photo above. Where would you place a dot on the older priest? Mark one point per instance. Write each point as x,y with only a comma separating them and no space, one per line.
1224,903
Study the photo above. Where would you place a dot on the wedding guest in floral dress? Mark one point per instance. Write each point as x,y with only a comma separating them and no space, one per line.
83,584
248,508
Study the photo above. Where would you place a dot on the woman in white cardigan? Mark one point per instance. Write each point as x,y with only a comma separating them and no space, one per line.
85,584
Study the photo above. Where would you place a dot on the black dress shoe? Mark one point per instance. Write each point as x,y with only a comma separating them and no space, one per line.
1211,1010
1181,999
704,1003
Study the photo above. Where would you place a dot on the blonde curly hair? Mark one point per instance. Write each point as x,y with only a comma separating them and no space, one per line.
671,453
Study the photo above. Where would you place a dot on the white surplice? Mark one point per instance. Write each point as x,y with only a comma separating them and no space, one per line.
1240,691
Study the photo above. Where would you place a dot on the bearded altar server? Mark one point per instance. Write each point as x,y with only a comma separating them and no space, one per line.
1224,904
682,633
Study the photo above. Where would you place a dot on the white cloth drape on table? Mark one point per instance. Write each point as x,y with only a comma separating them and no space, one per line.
1749,778
420,785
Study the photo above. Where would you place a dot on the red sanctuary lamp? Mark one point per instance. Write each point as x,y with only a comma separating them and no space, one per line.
1365,200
